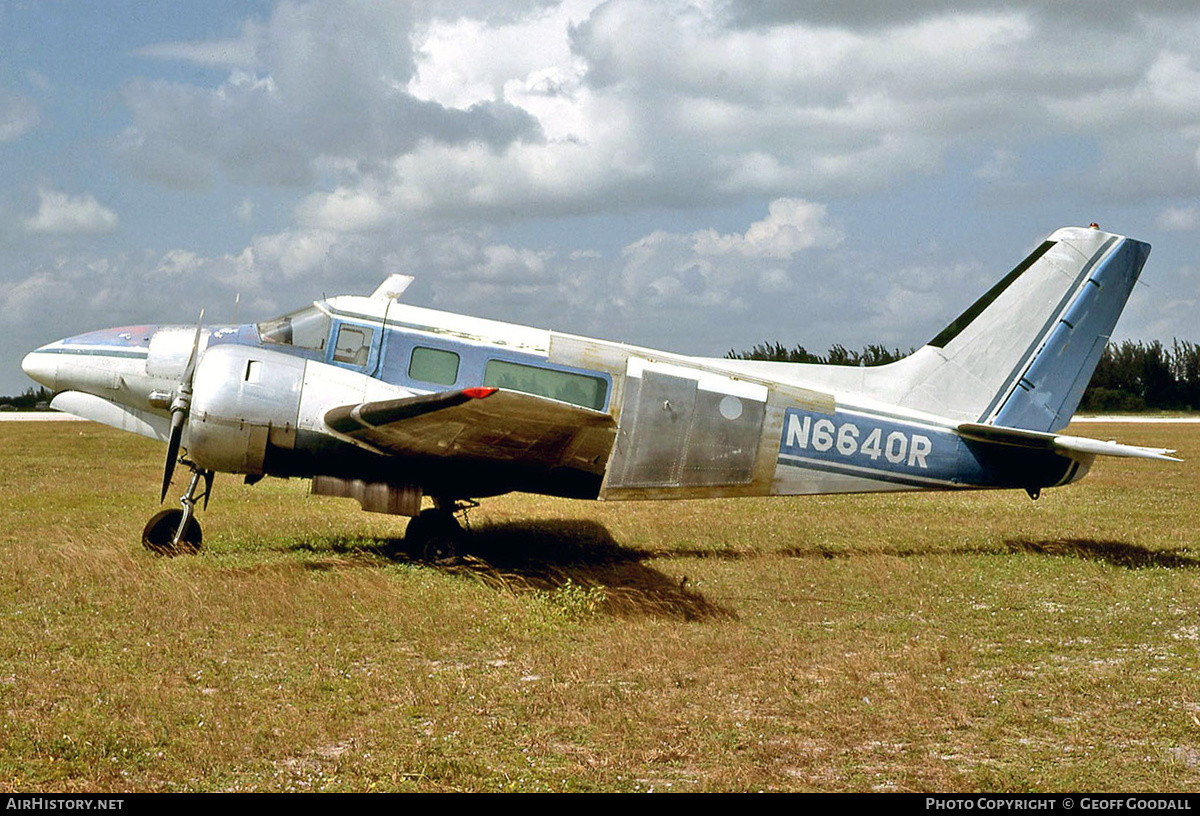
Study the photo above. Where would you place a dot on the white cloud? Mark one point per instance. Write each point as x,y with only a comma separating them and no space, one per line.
60,213
791,225
382,112
1179,219
999,166
231,53
707,268
346,210
294,253
18,116
179,262
315,84
669,104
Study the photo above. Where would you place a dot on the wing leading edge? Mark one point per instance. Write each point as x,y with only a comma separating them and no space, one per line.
482,425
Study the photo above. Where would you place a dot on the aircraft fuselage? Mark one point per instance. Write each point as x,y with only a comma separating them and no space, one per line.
386,403
691,427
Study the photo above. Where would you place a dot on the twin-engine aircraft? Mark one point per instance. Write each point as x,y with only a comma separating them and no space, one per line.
389,403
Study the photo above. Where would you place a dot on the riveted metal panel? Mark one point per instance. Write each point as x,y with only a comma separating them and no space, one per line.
655,421
170,349
239,396
723,442
686,429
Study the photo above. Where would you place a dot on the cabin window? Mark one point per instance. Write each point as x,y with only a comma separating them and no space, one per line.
353,345
433,366
565,386
307,328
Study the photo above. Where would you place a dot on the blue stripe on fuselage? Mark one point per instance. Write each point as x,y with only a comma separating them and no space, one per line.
94,352
856,443
860,444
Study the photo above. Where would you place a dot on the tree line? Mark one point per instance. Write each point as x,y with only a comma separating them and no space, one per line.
29,399
871,355
1145,377
1129,377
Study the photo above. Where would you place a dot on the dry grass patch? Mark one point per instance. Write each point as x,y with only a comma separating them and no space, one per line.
973,641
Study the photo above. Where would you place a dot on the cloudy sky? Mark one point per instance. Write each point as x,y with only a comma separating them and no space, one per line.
694,174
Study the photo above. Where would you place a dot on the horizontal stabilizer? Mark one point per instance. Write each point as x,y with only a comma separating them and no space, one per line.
1070,445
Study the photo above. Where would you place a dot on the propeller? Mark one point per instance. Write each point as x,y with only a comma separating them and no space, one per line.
179,410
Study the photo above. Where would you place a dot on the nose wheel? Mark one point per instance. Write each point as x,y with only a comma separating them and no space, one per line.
177,532
167,534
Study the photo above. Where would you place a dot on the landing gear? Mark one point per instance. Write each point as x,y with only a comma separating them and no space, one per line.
436,535
159,535
176,532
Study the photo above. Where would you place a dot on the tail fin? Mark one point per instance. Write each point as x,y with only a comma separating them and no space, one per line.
1023,354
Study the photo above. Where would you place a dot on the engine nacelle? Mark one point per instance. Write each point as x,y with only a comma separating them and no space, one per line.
242,399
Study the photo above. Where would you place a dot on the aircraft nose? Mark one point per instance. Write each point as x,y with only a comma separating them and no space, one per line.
41,367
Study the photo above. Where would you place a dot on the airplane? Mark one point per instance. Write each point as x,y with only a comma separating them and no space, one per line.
390,403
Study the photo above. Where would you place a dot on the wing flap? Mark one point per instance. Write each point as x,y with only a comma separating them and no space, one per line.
1075,446
484,424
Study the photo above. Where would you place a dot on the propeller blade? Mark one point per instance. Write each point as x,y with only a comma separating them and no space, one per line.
180,408
172,452
190,369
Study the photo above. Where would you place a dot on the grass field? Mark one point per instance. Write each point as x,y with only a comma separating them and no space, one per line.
956,642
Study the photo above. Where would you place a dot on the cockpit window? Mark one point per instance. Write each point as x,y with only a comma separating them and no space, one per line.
306,328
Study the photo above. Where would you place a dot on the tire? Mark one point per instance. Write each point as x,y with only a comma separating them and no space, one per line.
433,536
160,531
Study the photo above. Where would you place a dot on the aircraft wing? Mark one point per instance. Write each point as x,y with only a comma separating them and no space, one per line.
483,424
1075,446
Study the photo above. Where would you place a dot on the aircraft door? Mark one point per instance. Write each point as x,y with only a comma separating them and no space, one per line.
687,429
356,346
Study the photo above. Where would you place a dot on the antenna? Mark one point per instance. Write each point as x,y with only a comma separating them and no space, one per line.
236,300
382,338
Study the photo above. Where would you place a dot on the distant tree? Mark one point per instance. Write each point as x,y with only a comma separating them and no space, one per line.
1145,376
1158,386
1185,368
875,354
28,399
775,352
871,355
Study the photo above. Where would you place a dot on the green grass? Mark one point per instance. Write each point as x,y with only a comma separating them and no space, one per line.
973,641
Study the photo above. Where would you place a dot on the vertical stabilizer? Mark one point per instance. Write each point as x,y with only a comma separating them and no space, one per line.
1023,354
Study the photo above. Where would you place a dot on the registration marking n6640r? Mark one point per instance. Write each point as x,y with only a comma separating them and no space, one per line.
846,439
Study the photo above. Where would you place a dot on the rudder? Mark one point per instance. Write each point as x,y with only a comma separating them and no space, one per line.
1045,396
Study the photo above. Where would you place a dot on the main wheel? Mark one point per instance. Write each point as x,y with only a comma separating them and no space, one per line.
434,536
159,532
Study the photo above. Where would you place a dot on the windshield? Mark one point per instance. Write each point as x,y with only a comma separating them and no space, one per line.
305,328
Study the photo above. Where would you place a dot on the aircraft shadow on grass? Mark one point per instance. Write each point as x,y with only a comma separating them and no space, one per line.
549,555
1116,553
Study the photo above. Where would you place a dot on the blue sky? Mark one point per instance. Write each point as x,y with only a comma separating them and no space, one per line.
689,175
